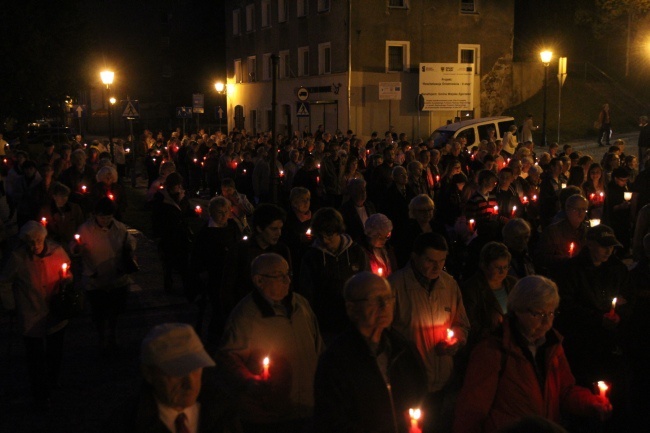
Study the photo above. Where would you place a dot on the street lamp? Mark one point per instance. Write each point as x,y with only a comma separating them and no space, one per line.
546,57
107,78
222,90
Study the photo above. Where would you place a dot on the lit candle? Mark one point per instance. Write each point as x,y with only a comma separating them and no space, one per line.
450,335
281,173
127,150
496,210
524,200
308,233
627,196
244,171
198,210
195,160
44,222
594,222
613,310
572,247
318,166
602,196
534,197
367,151
563,185
245,238
380,272
415,415
602,389
84,188
437,178
318,180
77,238
111,196
265,368
472,224
64,270
514,211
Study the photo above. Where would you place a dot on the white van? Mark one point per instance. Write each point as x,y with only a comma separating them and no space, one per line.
474,130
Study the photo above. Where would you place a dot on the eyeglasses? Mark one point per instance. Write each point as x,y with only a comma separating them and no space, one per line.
286,276
500,268
542,316
377,300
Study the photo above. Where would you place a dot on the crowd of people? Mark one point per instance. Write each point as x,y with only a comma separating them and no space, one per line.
386,286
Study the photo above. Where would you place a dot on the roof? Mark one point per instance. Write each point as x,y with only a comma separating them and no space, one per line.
453,127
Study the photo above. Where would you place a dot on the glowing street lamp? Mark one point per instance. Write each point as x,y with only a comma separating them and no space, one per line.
220,87
107,78
546,57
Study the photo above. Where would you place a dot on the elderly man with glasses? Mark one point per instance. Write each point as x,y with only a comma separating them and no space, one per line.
370,376
270,347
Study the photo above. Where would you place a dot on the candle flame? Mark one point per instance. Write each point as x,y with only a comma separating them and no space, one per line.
614,302
450,334
77,237
308,232
602,386
415,414
64,268
380,271
514,209
245,238
266,361
44,221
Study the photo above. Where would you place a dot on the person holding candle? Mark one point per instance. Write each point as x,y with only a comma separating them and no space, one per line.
63,217
332,258
522,370
428,303
212,245
554,245
485,294
592,189
108,186
370,375
75,177
30,277
166,168
595,339
617,210
294,231
480,206
272,322
242,209
103,241
381,255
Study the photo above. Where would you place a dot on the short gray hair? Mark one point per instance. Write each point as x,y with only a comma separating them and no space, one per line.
376,224
298,192
218,202
419,200
261,262
398,168
533,291
104,171
31,229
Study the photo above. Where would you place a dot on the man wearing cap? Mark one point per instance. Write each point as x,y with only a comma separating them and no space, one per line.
370,376
175,396
270,347
590,325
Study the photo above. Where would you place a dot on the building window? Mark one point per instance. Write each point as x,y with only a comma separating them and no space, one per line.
302,8
323,5
303,61
399,4
397,56
252,69
267,67
468,6
470,54
250,18
266,13
238,71
285,67
235,22
282,11
324,58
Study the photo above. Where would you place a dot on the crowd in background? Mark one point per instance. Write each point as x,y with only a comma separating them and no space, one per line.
434,270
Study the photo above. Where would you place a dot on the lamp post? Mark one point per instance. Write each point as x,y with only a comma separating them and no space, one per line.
107,78
221,90
546,57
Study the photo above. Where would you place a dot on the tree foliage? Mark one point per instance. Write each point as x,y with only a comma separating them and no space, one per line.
607,16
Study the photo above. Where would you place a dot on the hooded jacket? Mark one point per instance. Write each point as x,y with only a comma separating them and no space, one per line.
322,276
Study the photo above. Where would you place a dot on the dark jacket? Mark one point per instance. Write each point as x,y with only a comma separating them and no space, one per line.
352,394
322,276
353,224
140,414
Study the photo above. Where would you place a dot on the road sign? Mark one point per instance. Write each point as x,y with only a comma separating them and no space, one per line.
303,94
184,112
197,103
390,90
78,110
220,112
302,109
130,109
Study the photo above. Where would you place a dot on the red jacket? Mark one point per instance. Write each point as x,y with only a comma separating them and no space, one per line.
501,385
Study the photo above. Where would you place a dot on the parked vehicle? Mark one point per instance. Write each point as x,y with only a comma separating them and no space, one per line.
473,130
